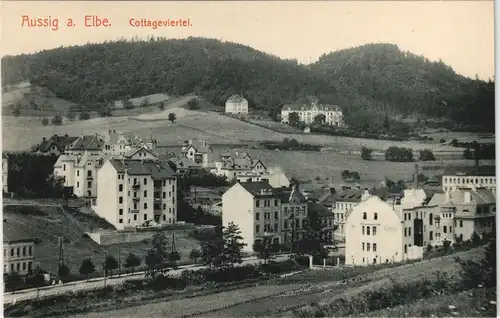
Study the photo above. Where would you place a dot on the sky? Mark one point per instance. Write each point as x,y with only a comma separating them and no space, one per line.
460,33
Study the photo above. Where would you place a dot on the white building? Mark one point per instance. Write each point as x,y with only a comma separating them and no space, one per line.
469,177
135,192
242,167
308,112
115,143
263,211
236,104
5,172
18,249
197,151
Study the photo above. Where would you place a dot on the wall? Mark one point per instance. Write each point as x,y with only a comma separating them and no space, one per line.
121,237
238,207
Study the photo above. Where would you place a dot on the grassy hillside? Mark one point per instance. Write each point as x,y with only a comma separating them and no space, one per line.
367,82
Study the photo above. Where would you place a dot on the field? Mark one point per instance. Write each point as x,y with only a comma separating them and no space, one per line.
277,297
48,223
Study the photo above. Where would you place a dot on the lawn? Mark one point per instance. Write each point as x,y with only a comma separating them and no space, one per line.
48,223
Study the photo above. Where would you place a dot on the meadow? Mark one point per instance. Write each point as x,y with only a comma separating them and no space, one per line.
48,223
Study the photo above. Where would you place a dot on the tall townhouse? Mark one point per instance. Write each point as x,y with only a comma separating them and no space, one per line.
469,177
18,250
134,192
263,211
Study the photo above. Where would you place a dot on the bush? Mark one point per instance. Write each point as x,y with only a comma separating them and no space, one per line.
398,154
45,121
57,120
193,104
366,153
161,282
426,155
84,116
442,141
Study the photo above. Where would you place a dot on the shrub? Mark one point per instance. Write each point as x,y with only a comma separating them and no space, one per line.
57,120
366,153
426,155
398,154
45,121
442,141
161,282
84,116
193,104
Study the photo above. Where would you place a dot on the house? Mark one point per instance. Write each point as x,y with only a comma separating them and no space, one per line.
86,143
326,217
242,167
55,145
462,212
307,113
134,192
197,151
5,173
116,143
18,249
469,177
236,104
263,211
344,202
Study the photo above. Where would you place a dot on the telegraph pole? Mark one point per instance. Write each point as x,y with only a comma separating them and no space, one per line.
105,267
119,262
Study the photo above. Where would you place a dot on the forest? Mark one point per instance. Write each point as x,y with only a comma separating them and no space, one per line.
367,82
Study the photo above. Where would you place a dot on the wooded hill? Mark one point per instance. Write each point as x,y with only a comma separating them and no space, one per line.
367,82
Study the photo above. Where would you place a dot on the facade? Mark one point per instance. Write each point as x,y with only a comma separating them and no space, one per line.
236,104
132,193
326,217
308,112
344,202
197,151
242,168
263,211
55,145
469,177
116,144
5,173
18,250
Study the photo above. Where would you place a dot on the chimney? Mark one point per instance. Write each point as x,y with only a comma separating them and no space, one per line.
467,197
415,177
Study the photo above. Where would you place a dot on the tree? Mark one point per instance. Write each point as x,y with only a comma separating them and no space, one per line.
45,121
157,256
366,153
193,104
84,116
475,239
127,104
320,119
446,246
223,247
442,141
57,120
110,264
233,245
105,111
195,255
172,117
399,154
87,267
132,261
263,248
13,281
63,271
293,118
161,106
71,116
145,102
426,155
173,257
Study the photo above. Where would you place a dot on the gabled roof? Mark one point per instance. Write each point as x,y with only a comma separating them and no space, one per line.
327,199
236,99
88,142
349,195
257,188
157,170
487,171
14,232
59,141
133,151
199,147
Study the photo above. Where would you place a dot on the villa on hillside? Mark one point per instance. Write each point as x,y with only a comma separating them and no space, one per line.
239,166
55,145
308,112
197,151
236,104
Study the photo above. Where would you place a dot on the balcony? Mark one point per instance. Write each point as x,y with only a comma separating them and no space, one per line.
136,199
157,209
134,211
157,199
90,178
136,186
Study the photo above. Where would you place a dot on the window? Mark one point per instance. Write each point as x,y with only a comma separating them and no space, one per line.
276,227
18,251
120,221
24,250
375,216
445,229
367,247
145,181
409,231
164,217
276,216
285,225
30,251
257,203
120,187
78,184
145,216
266,203
430,219
120,212
18,266
374,247
145,205
257,216
77,173
135,217
363,246
431,236
164,195
257,228
12,268
89,184
64,167
409,216
145,193
363,230
120,200
364,215
406,249
89,173
461,223
374,230
367,230
406,231
275,202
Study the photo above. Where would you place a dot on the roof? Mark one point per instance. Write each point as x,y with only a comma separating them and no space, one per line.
14,232
88,142
349,195
306,107
198,146
319,209
478,196
327,199
60,141
157,169
470,171
114,137
256,188
236,99
290,195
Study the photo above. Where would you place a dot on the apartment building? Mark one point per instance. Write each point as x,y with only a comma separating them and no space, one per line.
18,250
5,173
469,177
263,211
344,202
307,113
134,192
